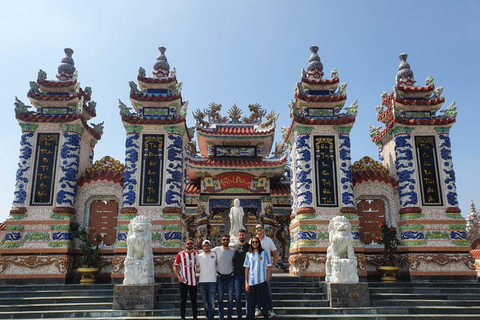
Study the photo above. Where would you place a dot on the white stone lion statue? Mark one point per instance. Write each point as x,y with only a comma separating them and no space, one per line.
341,265
139,260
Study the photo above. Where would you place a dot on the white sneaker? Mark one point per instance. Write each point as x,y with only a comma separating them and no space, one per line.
258,313
272,314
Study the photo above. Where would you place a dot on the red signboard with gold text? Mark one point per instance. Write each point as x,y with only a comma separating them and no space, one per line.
235,180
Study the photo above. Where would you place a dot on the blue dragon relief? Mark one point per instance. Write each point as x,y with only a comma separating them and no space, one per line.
303,167
23,169
130,176
405,170
174,196
346,171
70,155
446,155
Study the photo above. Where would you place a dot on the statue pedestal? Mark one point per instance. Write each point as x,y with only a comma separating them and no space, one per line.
347,294
135,297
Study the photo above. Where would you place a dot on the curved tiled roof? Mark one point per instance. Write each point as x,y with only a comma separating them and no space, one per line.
235,131
152,80
142,97
413,122
320,81
89,129
280,189
369,170
52,97
2,226
105,169
42,118
54,83
142,120
325,121
236,163
415,89
314,98
420,102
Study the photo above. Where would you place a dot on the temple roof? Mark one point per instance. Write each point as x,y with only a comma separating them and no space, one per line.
411,105
369,170
215,166
106,169
317,98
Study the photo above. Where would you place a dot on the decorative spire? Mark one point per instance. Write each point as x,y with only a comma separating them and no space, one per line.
315,67
66,69
404,74
161,68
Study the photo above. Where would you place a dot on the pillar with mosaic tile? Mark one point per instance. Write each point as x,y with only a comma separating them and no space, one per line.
415,147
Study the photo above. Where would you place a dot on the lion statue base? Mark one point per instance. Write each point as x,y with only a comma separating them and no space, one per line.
341,265
139,260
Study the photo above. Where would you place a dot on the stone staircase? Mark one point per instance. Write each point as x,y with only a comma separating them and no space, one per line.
293,299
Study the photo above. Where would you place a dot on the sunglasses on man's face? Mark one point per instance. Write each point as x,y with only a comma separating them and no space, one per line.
189,243
225,239
259,228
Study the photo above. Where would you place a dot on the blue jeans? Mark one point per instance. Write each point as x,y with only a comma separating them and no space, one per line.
239,282
269,297
208,291
222,287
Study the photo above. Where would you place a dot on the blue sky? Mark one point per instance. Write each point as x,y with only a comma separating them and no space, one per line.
245,52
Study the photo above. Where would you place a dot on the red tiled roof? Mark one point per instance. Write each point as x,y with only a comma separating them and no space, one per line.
51,97
106,169
420,102
235,131
2,226
193,188
369,170
152,80
415,89
326,121
312,98
42,118
53,83
89,129
321,81
475,253
280,189
142,120
238,163
141,97
431,122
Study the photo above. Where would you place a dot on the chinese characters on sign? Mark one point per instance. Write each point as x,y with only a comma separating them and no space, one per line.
428,171
152,168
44,171
325,168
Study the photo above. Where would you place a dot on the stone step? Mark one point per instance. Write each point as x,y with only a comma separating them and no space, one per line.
459,284
56,293
276,296
422,296
277,303
390,313
58,287
57,306
6,302
423,290
420,303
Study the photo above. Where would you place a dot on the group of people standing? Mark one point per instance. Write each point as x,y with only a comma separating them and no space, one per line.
224,269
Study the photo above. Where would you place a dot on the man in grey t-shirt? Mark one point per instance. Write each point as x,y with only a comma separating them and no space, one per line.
225,276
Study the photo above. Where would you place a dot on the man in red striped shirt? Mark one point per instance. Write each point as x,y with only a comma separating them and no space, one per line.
185,270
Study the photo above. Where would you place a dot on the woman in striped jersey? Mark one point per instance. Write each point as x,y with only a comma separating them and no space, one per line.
258,270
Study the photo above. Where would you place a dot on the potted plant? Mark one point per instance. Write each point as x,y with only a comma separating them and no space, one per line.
390,242
91,255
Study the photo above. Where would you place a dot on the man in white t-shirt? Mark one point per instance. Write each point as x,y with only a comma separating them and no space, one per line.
269,246
207,282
